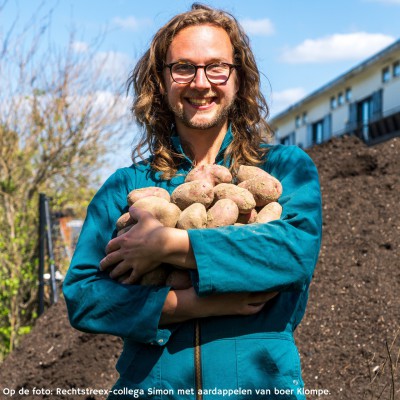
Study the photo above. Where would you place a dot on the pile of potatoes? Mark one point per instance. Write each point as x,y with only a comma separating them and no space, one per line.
207,199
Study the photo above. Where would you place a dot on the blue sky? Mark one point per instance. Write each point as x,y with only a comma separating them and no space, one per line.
299,45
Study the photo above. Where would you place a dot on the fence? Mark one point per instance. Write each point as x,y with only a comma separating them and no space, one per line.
46,243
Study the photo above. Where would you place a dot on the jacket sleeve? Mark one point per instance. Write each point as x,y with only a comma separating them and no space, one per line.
97,303
280,255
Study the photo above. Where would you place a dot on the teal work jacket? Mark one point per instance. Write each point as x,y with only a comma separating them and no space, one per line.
242,357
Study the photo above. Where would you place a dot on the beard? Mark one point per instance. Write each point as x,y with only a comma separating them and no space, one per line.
191,122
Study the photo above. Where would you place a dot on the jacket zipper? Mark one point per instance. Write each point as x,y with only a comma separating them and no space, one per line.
197,361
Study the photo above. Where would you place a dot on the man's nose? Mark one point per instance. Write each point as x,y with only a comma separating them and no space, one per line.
200,81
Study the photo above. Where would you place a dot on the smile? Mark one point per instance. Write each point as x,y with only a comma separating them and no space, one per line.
200,102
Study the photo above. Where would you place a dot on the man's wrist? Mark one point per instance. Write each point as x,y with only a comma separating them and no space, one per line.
176,248
181,305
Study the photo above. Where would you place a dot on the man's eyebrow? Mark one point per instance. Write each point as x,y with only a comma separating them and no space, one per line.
210,61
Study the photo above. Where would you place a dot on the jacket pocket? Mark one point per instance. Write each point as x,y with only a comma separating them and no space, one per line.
269,362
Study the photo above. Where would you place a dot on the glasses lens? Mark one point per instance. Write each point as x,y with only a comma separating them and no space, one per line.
218,73
182,72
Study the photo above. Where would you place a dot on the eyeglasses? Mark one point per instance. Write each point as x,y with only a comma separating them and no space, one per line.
184,72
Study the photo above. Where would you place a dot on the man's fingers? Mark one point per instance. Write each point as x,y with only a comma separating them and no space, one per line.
113,245
121,269
262,298
123,277
131,279
109,260
270,295
256,307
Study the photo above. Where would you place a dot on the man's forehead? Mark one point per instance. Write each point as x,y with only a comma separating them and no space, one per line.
207,41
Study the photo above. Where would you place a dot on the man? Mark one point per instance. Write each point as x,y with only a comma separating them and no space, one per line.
197,95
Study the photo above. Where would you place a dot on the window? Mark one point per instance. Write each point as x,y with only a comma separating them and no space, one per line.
385,74
333,102
298,122
304,118
396,69
348,95
364,113
340,99
317,132
289,139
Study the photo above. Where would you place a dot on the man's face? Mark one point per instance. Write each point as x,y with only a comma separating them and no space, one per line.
200,104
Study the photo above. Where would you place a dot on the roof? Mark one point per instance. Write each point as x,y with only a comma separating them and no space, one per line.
342,78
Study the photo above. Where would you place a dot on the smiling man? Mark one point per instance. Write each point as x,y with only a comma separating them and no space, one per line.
197,96
199,87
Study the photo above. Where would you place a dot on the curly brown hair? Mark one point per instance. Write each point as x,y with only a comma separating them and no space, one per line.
247,116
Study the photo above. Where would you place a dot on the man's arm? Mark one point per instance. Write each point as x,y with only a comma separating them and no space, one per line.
183,305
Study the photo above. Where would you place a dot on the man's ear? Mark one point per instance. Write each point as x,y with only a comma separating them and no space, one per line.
161,87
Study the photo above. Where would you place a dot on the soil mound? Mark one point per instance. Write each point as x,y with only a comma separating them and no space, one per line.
353,314
56,356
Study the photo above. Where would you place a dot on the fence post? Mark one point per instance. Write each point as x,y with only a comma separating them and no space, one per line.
53,283
42,238
45,236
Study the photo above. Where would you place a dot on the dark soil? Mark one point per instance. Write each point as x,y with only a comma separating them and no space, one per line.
353,315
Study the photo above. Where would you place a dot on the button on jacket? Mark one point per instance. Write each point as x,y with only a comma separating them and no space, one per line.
254,355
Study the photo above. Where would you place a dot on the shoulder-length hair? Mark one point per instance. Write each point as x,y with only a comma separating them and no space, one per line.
247,116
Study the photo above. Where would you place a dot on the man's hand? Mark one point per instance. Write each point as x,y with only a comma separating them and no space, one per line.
138,251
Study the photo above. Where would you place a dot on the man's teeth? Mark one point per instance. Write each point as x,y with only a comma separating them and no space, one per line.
200,102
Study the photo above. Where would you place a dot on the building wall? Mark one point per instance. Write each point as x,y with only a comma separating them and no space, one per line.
363,83
391,94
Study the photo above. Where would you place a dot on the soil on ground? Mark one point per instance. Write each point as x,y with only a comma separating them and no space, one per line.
349,339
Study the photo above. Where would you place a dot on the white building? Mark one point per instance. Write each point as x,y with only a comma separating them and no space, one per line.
365,102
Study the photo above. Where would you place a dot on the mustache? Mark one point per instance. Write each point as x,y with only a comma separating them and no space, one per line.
194,93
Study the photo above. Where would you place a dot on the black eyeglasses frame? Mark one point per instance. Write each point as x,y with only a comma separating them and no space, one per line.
204,67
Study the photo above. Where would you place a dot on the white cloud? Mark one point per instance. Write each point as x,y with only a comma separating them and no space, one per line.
80,47
113,63
260,27
105,100
397,2
132,23
285,98
337,47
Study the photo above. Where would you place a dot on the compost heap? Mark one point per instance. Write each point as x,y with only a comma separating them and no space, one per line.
353,315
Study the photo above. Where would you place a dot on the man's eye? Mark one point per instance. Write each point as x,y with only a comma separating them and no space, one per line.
183,68
217,68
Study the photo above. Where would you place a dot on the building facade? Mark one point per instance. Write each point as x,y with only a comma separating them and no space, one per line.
364,102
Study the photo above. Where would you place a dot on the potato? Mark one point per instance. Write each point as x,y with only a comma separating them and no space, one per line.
167,213
124,220
248,218
206,186
223,212
198,191
124,230
157,277
242,197
193,217
212,173
247,172
270,212
179,279
264,189
137,194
